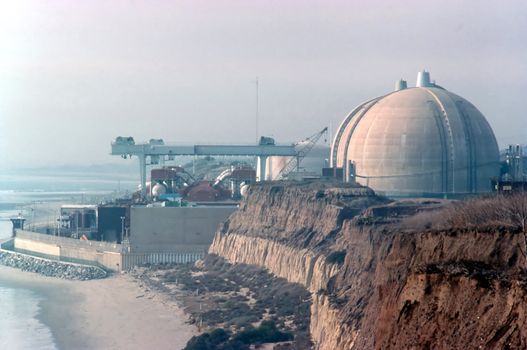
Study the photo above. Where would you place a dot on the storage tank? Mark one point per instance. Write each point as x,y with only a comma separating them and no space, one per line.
158,190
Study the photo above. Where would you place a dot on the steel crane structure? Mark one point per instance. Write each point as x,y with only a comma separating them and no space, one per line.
156,151
302,149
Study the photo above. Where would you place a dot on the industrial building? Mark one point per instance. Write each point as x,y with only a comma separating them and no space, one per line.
414,141
513,171
424,141
175,229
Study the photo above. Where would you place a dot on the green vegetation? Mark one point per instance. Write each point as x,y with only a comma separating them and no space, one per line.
235,298
231,308
266,333
216,339
336,257
220,339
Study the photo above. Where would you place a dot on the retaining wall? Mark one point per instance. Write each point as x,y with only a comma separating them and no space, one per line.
102,254
106,255
68,242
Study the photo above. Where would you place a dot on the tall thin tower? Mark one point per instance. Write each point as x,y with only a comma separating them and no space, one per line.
256,116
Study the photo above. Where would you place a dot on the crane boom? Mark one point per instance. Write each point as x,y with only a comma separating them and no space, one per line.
304,147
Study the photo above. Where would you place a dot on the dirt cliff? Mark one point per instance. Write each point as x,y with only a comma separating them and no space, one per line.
376,283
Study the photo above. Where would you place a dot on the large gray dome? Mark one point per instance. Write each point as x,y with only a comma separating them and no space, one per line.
423,140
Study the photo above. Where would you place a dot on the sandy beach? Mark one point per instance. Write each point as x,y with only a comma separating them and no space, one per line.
112,313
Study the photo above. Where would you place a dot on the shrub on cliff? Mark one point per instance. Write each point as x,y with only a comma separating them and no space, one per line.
219,339
496,211
336,257
214,340
266,333
509,211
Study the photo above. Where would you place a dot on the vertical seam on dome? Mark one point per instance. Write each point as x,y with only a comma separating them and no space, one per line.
442,139
450,146
469,140
365,109
343,126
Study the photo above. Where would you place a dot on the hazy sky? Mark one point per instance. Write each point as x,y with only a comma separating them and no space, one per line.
76,74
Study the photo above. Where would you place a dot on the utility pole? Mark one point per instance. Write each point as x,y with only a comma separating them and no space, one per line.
257,102
122,227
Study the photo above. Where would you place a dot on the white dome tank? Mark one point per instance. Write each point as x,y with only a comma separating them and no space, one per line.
158,190
243,189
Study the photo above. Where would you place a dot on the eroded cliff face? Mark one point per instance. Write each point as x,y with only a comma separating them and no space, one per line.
297,265
394,289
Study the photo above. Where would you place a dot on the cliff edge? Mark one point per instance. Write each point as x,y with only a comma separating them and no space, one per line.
386,275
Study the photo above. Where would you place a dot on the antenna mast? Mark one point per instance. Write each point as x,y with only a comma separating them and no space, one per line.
256,116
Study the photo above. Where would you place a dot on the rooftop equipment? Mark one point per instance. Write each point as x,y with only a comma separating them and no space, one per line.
423,79
401,85
18,223
514,160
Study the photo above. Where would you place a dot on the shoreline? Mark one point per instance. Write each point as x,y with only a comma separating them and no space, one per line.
111,313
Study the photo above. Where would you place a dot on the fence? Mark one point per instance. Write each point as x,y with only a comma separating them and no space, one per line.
130,260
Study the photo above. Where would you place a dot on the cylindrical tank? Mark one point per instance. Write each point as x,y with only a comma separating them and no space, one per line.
158,190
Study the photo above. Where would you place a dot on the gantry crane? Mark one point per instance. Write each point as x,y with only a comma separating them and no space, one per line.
156,150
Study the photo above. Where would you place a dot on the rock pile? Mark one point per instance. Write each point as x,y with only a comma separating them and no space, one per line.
50,268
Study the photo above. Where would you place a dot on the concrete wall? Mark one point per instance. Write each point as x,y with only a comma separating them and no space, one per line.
68,249
158,235
179,229
22,244
69,242
8,244
109,260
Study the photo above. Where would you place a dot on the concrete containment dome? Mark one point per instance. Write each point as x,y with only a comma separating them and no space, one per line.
417,141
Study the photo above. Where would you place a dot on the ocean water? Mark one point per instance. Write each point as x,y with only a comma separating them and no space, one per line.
19,307
20,327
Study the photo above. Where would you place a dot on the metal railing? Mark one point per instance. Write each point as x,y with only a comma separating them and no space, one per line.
130,260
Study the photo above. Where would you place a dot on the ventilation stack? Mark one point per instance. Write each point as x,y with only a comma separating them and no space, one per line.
423,79
400,85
